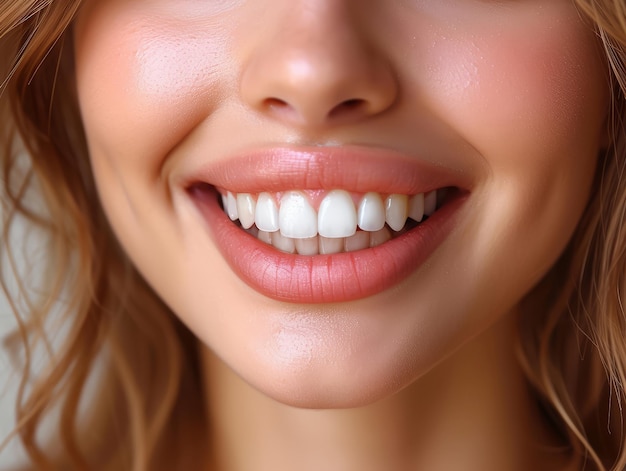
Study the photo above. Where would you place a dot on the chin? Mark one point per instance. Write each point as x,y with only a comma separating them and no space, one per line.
334,388
316,359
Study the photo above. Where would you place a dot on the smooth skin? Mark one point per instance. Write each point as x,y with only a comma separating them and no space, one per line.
512,94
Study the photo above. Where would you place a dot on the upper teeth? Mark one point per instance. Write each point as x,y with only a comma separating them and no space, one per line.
337,215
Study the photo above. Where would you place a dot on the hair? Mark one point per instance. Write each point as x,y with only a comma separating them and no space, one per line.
91,288
572,333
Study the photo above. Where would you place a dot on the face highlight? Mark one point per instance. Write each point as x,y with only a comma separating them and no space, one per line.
498,105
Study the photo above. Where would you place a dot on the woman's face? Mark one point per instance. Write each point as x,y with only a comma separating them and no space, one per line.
329,117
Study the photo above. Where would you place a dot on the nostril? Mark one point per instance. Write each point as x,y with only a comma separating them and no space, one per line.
354,102
280,108
316,114
275,104
348,107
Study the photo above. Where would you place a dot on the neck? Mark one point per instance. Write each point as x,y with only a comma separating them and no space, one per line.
471,412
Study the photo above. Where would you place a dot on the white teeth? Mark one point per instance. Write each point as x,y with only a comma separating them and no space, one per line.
396,210
379,237
282,243
296,217
293,225
416,207
231,206
307,246
359,241
430,202
371,215
266,213
246,207
336,216
330,246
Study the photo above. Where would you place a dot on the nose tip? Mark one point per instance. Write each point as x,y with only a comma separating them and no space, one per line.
314,74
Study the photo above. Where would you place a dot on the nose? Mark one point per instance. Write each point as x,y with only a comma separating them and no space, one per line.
318,65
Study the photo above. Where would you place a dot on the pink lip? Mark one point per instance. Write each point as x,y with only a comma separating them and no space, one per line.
357,169
325,278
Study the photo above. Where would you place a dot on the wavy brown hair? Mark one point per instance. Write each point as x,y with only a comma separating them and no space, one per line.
117,333
140,365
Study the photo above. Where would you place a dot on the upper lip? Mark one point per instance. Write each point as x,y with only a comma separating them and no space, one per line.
359,169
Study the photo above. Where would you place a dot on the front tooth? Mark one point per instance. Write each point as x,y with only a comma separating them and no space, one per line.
307,246
296,217
359,241
266,213
330,246
430,202
246,207
231,206
416,207
337,216
285,244
371,216
396,210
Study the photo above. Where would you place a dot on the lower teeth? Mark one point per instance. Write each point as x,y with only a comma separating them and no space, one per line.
325,246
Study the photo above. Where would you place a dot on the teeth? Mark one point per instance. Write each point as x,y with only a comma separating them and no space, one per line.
337,216
266,213
246,207
265,237
282,243
379,237
371,212
416,207
396,207
359,241
430,202
296,217
294,225
307,246
231,206
330,246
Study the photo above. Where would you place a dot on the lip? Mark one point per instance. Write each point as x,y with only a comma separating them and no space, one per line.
332,278
352,168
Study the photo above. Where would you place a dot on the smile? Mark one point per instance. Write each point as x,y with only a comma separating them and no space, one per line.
360,222
328,222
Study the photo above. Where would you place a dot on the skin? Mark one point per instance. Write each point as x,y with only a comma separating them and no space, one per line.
511,93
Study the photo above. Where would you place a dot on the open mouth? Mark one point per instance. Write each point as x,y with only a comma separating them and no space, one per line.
321,222
325,225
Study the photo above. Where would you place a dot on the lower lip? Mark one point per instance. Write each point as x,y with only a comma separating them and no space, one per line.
324,278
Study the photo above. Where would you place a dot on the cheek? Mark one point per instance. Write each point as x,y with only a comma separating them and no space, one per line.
523,91
530,96
147,84
532,102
